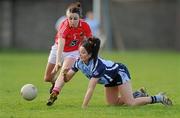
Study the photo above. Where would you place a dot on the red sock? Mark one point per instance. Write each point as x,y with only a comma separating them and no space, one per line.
56,90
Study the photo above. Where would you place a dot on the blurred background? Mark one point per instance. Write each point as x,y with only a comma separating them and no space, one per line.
123,24
142,34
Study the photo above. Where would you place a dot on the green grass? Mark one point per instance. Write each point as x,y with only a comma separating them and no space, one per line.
157,71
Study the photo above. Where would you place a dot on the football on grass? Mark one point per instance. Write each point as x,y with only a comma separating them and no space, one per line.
29,92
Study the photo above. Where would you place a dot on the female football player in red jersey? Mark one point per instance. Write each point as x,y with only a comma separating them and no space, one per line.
65,50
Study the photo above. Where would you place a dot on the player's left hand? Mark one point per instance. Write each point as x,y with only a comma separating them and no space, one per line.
65,71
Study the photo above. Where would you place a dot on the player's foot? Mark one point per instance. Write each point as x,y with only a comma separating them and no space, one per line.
52,99
144,92
164,99
140,93
52,86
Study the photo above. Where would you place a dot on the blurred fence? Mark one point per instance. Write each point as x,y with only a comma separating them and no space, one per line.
135,24
145,24
30,24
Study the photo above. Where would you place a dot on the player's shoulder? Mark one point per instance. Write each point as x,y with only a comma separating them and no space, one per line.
64,22
83,22
100,60
98,64
78,61
64,26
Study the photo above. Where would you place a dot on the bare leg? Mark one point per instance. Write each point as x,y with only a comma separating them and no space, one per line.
48,73
68,63
127,96
112,96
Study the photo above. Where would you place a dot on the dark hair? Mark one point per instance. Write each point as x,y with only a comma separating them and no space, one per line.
92,46
75,8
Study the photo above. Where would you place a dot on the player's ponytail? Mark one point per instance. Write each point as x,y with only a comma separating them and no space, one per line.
95,47
75,8
78,4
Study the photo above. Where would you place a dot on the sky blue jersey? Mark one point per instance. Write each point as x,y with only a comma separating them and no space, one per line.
105,70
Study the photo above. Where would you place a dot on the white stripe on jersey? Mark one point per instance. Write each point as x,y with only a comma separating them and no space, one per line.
95,65
116,65
63,26
63,30
76,64
110,79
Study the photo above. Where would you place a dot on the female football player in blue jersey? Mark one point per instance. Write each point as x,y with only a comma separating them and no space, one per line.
114,76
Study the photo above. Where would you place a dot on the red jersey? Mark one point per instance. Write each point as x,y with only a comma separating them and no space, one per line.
73,36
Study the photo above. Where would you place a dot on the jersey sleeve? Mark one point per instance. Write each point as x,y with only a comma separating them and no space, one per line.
87,30
75,67
62,31
99,70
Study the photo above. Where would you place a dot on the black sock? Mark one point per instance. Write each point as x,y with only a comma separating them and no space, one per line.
154,99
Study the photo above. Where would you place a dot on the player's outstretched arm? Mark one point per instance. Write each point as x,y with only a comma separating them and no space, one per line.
89,92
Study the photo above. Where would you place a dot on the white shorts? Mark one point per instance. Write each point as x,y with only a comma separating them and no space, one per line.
52,55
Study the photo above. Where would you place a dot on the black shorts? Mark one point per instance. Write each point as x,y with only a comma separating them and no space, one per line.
118,80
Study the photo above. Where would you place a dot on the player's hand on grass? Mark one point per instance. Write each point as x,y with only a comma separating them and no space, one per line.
84,106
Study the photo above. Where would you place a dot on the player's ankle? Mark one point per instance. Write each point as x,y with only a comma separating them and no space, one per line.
55,91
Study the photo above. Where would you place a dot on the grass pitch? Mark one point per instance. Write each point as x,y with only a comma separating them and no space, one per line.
157,71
